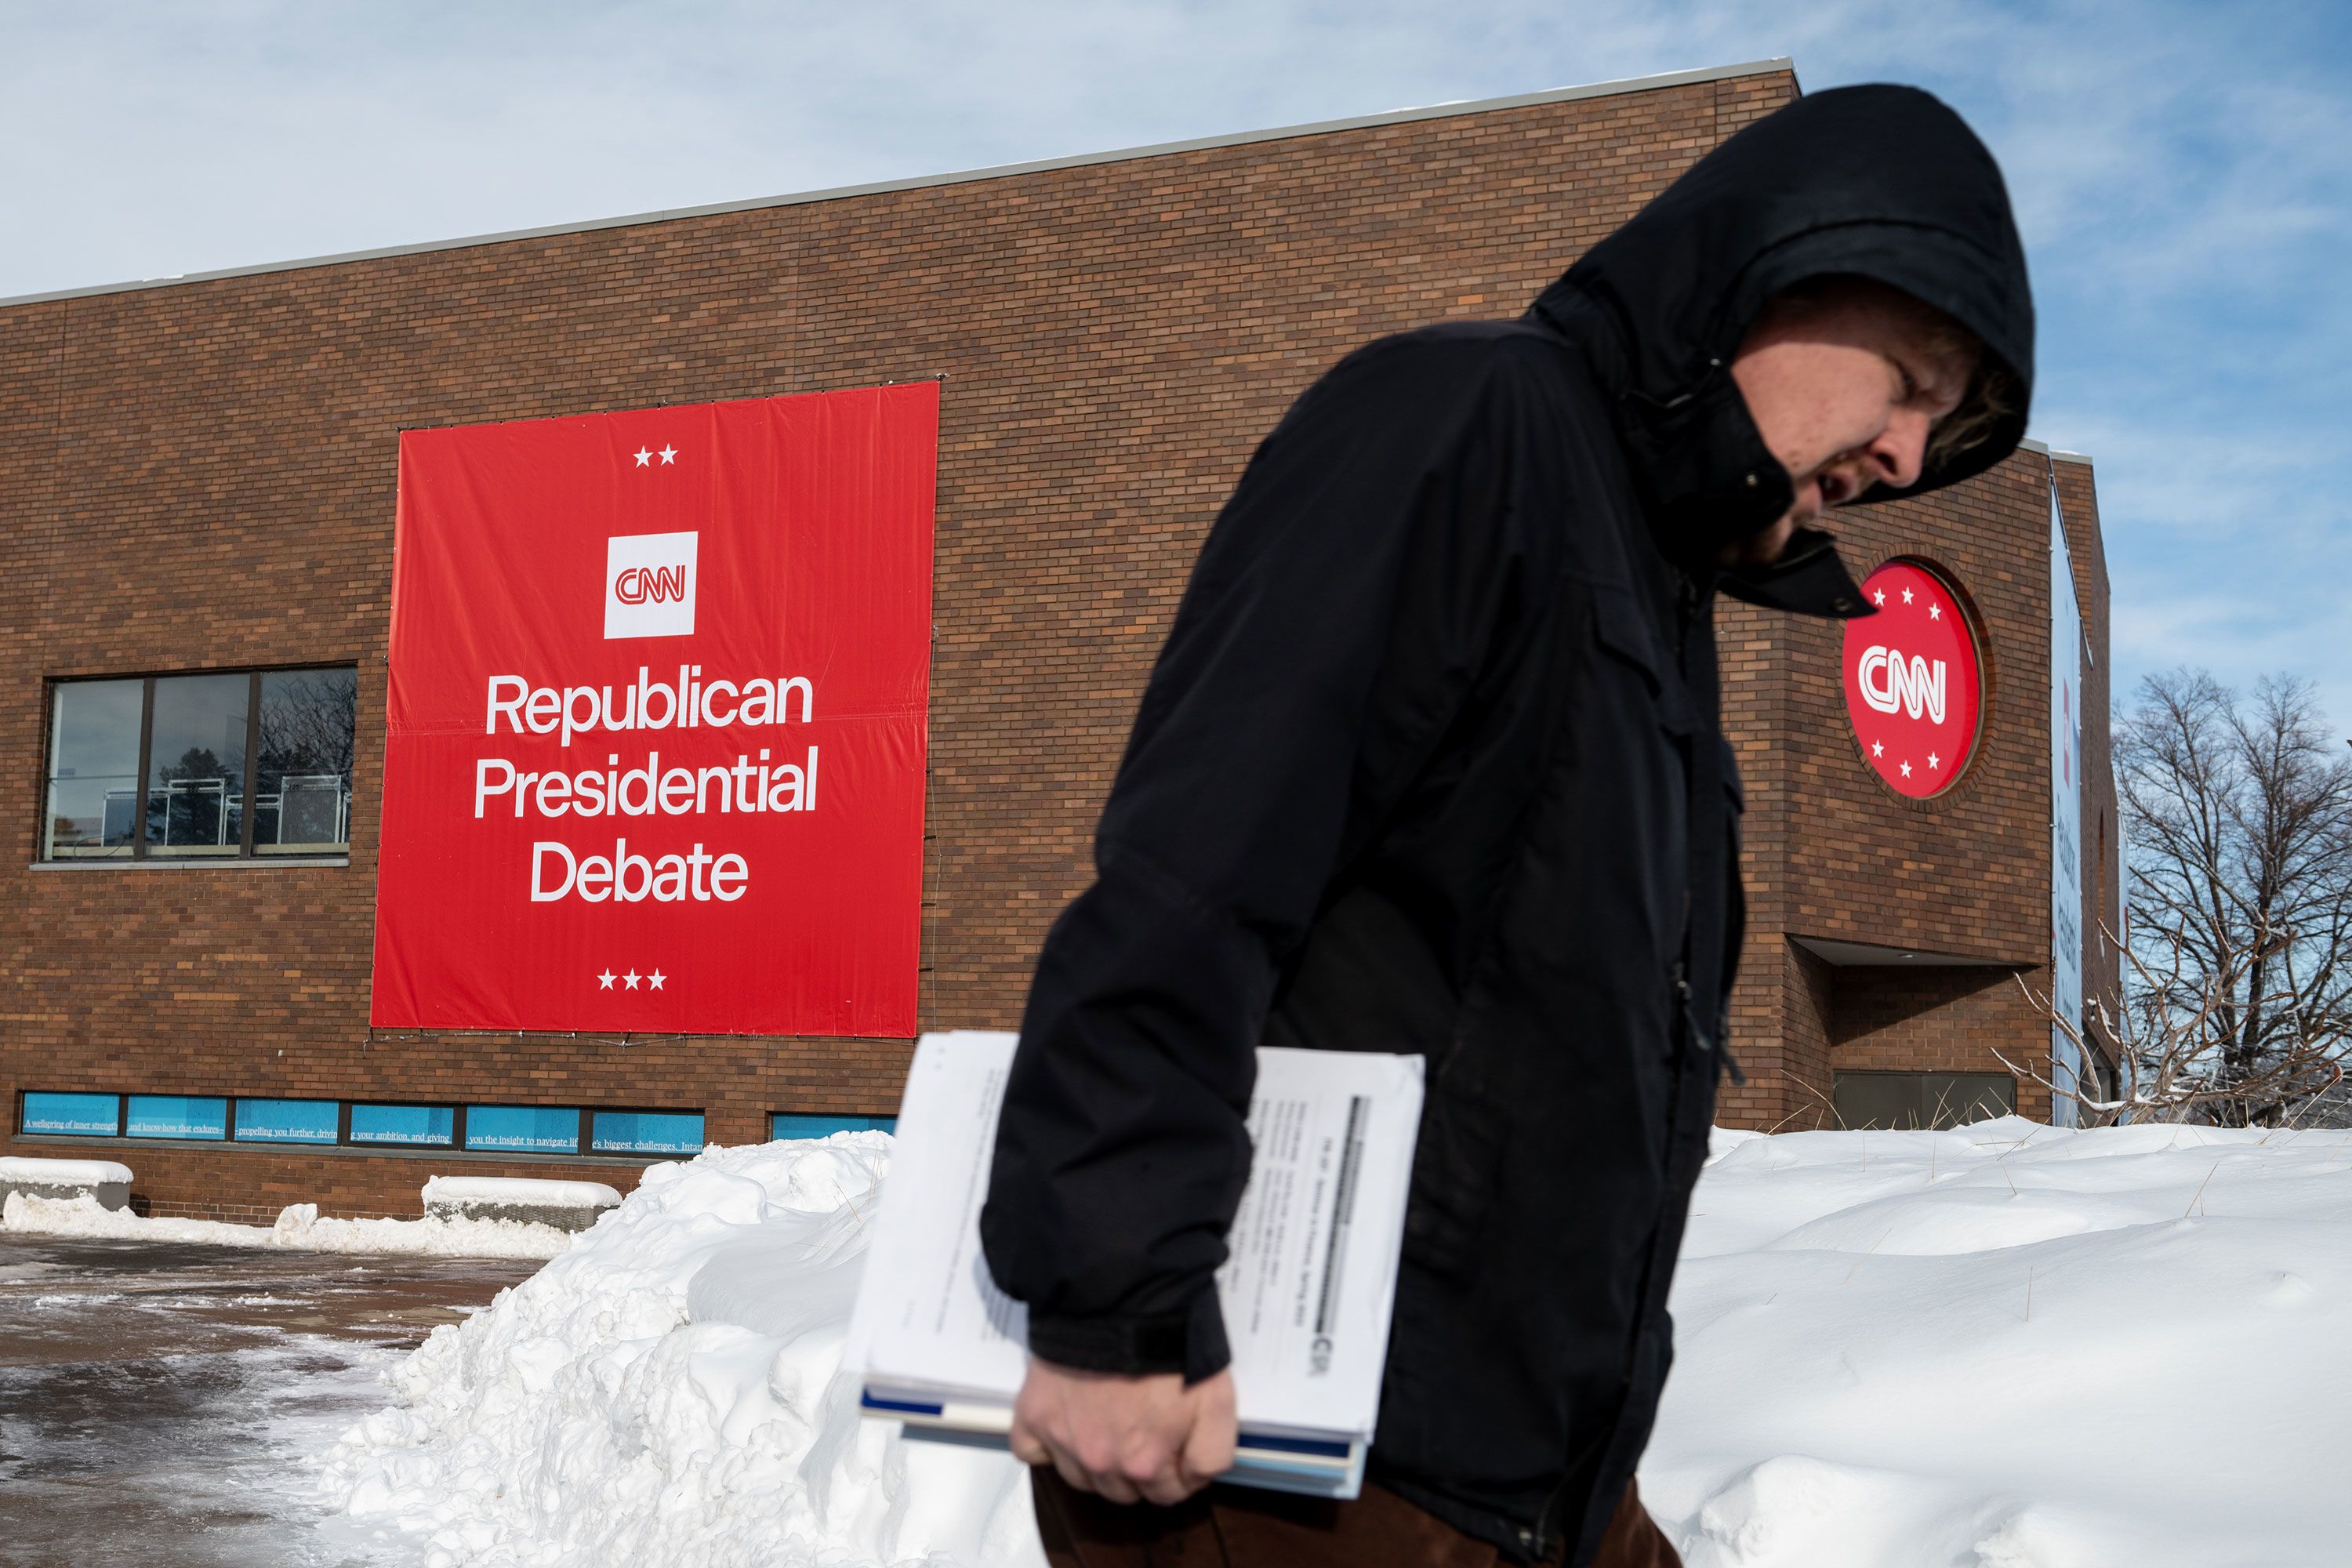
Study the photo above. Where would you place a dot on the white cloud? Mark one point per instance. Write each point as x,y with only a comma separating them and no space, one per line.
2183,175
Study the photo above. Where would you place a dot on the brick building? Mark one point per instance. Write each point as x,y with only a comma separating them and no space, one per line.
196,479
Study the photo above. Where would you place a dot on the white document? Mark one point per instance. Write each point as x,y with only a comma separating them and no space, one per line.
1306,1290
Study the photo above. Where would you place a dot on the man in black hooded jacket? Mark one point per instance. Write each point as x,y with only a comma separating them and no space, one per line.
1431,763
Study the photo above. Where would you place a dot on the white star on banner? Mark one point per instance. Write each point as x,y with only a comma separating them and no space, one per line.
645,455
1907,770
656,977
1907,595
1933,762
668,453
1878,748
631,979
1935,612
606,981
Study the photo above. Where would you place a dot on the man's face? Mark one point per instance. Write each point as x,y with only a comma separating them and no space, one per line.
1844,386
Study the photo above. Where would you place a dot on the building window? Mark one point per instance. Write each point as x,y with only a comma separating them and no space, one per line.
93,768
525,1128
647,1132
419,1126
302,771
176,1116
1922,1100
783,1125
289,1120
72,1115
222,765
484,1129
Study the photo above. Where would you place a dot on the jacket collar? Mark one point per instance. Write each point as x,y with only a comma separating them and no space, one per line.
1807,580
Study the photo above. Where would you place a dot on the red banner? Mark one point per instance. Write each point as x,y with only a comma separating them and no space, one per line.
657,718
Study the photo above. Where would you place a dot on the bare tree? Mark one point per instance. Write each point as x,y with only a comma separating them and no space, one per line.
2171,1056
2239,815
307,721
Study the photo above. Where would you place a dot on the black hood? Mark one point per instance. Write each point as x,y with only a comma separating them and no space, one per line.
1881,181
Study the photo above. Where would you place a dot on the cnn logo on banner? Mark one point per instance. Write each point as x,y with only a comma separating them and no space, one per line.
649,585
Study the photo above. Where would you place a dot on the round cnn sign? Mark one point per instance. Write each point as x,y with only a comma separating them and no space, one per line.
1912,683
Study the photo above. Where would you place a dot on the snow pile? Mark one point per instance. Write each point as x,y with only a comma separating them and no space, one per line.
529,1190
566,1205
2011,1346
665,1393
62,1172
2003,1347
298,1229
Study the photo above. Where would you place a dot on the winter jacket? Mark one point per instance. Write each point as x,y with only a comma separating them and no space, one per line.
1431,763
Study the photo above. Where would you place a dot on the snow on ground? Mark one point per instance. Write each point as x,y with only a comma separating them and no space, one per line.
2012,1346
520,1190
298,1228
665,1395
2008,1346
62,1172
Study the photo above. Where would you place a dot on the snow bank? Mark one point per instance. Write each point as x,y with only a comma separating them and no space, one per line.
2011,1346
2003,1347
62,1172
565,1206
529,1190
298,1229
665,1395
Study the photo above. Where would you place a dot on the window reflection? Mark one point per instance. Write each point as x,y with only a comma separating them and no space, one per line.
302,793
202,794
93,768
196,766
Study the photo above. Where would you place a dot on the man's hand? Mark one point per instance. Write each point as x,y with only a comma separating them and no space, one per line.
1126,1438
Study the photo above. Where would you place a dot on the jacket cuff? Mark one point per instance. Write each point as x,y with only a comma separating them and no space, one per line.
1192,1341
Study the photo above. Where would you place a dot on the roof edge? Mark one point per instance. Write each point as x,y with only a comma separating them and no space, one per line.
2043,448
924,181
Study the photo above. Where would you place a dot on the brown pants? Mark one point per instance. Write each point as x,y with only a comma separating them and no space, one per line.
1231,1527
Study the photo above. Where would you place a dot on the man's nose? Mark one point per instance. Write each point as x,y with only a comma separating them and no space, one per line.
1901,450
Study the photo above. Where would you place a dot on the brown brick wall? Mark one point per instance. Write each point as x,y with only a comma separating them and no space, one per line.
202,476
246,1187
1832,853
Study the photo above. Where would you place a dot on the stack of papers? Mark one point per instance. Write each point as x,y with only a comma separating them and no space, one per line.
1306,1290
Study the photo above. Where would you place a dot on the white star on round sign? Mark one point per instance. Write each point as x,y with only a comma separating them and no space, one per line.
1932,762
1935,612
1907,595
1878,748
1907,770
1880,595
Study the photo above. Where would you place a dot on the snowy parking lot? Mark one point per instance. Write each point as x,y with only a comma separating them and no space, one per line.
160,1401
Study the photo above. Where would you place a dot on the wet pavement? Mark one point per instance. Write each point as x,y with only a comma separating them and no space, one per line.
161,1405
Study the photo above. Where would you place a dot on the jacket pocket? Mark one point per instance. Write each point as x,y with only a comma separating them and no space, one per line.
1453,1168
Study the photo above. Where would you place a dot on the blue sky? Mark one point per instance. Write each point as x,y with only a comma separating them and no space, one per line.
2183,173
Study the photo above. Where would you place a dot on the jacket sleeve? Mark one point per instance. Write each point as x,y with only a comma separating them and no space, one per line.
1336,616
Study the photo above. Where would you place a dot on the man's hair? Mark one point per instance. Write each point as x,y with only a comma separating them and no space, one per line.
1989,402
1992,397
